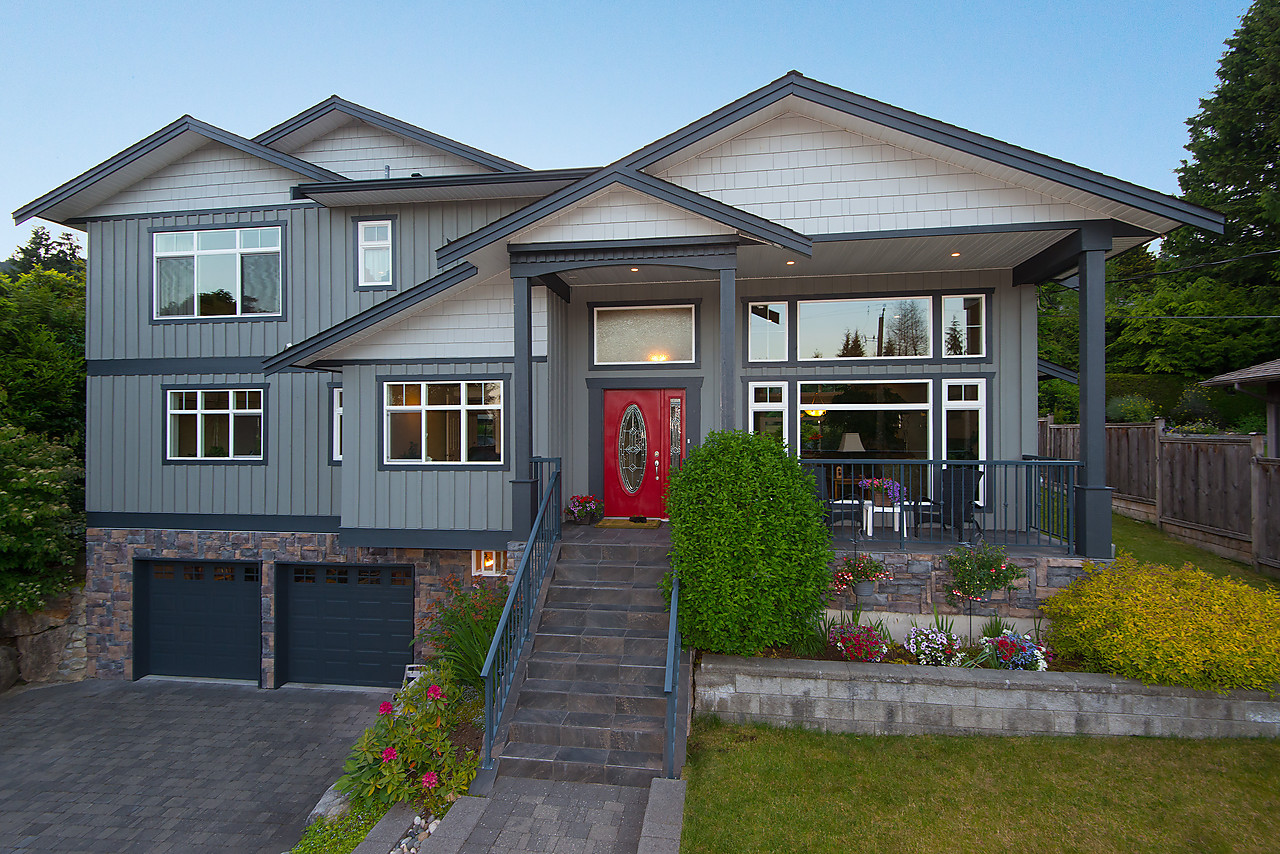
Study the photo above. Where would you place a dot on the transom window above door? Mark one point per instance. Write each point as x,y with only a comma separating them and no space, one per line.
644,334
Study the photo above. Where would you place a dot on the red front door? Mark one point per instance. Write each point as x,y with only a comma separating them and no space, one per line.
643,441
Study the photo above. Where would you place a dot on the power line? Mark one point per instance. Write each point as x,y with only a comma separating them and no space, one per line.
1141,276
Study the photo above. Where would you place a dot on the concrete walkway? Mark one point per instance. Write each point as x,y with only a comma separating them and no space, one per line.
161,765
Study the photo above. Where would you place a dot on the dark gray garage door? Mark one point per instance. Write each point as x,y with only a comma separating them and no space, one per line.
198,618
345,624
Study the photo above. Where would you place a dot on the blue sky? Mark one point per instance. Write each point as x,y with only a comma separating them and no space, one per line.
1107,85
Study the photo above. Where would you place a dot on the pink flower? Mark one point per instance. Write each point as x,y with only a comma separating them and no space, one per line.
388,755
386,709
430,780
434,693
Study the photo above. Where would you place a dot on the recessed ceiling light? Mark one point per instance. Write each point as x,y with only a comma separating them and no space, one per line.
955,254
635,269
791,263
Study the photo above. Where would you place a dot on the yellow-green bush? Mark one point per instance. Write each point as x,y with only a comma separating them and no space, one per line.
1169,626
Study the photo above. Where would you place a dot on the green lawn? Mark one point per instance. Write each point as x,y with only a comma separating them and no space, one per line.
1150,545
760,789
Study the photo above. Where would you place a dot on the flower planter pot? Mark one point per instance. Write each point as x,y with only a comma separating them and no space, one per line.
864,588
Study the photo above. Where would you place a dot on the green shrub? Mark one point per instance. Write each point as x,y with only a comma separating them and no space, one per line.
1169,626
1130,409
1195,407
340,835
750,543
462,625
41,521
407,755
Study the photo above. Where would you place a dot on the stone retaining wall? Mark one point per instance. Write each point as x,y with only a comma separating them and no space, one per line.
895,699
920,583
47,646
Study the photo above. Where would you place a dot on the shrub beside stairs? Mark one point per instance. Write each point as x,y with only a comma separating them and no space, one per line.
591,708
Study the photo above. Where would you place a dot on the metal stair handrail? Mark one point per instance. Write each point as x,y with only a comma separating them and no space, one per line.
672,684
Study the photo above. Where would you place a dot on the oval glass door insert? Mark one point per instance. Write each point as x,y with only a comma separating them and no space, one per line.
633,449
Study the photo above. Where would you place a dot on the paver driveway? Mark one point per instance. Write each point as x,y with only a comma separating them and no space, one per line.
160,765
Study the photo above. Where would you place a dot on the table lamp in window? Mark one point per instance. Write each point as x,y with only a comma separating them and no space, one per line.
851,443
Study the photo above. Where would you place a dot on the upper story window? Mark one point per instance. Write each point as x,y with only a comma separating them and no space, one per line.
373,253
767,332
217,272
442,422
963,319
864,328
215,424
637,335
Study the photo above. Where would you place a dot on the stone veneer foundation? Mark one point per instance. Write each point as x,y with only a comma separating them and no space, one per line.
920,583
109,585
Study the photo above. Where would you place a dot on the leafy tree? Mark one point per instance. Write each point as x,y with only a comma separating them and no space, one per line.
44,252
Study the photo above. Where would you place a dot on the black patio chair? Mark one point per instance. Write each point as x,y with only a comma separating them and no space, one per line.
956,502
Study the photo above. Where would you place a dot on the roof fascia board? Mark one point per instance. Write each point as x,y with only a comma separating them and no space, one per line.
385,310
1055,371
935,131
166,134
484,178
696,203
391,124
1120,229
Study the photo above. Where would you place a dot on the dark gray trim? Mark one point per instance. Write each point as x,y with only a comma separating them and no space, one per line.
281,224
1051,371
355,251
700,255
557,286
758,227
658,368
175,366
442,360
329,387
523,500
380,420
641,243
167,134
246,210
387,123
214,522
1061,256
596,387
399,538
165,388
382,311
1122,229
431,182
795,83
728,319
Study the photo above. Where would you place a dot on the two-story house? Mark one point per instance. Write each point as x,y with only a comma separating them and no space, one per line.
322,360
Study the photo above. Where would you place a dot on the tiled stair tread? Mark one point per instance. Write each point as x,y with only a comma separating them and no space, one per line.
602,585
584,755
535,685
603,631
635,607
562,657
561,717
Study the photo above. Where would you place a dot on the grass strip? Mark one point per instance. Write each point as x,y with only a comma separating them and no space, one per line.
1151,545
761,789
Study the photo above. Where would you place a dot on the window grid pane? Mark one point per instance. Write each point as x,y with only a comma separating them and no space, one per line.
217,272
215,425
445,422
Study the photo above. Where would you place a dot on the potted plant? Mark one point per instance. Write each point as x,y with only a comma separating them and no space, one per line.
975,572
584,509
861,572
884,491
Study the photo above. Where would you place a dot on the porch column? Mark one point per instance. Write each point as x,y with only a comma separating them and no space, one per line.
523,501
1093,496
728,341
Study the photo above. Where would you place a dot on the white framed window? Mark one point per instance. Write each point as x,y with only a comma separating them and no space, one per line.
882,328
767,409
373,253
963,326
644,334
964,419
442,422
868,418
215,424
233,272
487,564
337,424
767,332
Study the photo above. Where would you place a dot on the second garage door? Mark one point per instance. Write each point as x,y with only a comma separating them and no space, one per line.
344,624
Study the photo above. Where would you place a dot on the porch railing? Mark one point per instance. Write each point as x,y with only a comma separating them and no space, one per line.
671,685
516,621
1029,502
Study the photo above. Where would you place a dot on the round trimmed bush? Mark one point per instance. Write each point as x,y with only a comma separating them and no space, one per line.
750,544
1169,626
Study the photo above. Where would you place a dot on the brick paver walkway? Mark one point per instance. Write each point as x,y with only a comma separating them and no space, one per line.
159,765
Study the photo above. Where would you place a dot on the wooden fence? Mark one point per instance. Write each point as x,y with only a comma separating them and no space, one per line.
1217,492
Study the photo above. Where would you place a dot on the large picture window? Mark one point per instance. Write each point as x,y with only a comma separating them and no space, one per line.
637,335
221,424
873,420
864,328
963,319
217,272
442,422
